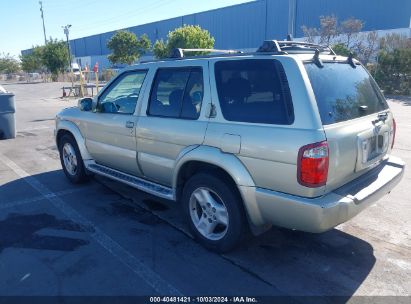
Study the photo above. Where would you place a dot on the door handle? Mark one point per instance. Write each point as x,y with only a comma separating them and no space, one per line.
129,124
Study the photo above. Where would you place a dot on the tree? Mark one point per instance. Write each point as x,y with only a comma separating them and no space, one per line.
126,48
346,36
145,44
328,28
187,36
8,64
367,48
350,28
160,49
55,57
394,41
393,72
310,33
32,61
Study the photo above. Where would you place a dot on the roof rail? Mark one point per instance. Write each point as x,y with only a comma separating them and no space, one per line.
179,52
290,46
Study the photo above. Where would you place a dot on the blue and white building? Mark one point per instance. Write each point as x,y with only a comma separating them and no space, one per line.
246,25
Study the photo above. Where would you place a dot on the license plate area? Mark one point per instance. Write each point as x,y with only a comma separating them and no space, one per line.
374,146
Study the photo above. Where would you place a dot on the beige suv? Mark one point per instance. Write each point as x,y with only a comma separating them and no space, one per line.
291,135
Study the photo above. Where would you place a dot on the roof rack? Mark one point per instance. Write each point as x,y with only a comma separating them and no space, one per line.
289,46
279,47
179,52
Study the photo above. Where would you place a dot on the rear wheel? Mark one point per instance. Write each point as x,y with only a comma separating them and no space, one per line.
214,212
71,160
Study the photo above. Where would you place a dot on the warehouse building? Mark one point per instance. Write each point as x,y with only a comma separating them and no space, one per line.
246,25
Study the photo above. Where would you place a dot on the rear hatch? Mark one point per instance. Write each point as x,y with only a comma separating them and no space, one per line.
357,121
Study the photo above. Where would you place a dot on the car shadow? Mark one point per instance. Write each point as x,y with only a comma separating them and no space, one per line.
333,263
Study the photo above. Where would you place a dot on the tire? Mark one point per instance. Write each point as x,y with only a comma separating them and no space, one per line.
70,155
210,199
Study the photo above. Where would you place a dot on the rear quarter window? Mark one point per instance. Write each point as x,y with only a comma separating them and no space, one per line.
254,91
343,92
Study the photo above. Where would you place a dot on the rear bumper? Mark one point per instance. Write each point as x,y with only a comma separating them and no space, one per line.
325,212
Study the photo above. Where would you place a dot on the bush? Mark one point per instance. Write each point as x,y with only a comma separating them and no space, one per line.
393,72
186,37
341,49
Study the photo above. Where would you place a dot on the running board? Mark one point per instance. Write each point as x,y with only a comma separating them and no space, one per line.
135,182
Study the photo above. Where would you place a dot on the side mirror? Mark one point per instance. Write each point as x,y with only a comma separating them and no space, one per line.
85,104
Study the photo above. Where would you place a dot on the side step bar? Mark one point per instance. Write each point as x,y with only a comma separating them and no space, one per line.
132,181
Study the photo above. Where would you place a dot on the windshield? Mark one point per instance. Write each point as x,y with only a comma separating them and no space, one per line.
343,92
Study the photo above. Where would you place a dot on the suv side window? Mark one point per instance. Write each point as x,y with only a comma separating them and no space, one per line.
254,91
121,96
177,93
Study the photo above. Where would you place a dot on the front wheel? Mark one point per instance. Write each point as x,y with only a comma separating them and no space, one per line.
214,212
71,160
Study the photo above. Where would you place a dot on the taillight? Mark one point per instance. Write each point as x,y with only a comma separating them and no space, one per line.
312,165
394,130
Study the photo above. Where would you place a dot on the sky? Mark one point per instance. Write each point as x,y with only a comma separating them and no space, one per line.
21,25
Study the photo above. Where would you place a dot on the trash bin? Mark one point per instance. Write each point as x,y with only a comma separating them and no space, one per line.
7,116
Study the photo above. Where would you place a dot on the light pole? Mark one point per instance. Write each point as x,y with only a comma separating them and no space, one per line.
66,32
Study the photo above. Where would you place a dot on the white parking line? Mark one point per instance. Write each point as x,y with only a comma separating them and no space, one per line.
145,273
37,198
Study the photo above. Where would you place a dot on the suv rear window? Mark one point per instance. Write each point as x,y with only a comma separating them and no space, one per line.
343,92
254,90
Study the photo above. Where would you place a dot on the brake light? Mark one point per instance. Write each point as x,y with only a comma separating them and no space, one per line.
312,165
393,131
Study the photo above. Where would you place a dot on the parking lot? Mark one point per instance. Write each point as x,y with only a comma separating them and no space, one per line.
103,238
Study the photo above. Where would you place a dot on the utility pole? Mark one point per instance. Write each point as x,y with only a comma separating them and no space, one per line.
292,12
42,17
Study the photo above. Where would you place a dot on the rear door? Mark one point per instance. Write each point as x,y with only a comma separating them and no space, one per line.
173,120
357,121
